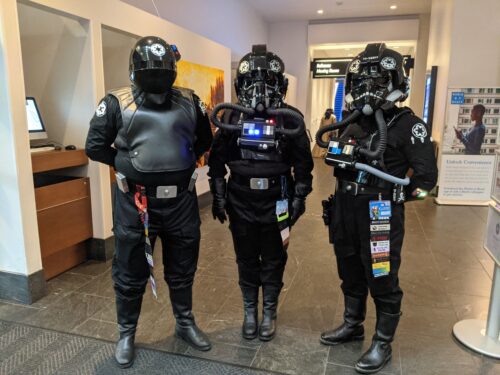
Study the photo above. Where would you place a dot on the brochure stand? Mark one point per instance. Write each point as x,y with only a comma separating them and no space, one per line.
478,335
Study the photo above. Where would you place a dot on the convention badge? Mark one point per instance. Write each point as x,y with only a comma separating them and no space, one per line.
282,210
285,236
380,241
380,210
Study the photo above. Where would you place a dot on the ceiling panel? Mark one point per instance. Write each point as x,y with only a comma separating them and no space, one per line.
287,10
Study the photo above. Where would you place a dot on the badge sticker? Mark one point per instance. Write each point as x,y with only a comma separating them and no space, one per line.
419,131
354,68
275,66
282,210
158,50
380,210
244,67
388,63
101,109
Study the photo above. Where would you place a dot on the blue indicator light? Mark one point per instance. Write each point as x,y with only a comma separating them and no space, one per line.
257,132
250,131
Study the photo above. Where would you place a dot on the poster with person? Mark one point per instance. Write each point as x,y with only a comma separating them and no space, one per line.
469,145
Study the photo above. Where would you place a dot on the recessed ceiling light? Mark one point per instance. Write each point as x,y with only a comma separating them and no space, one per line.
320,11
393,7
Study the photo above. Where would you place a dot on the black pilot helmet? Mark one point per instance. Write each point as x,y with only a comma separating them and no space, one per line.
375,79
260,81
153,65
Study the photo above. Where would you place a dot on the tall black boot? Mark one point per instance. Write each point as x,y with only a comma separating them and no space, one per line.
267,329
250,319
352,328
127,313
380,351
185,327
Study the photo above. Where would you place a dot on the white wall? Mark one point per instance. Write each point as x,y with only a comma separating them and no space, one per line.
233,24
440,37
475,47
289,41
57,72
116,47
19,242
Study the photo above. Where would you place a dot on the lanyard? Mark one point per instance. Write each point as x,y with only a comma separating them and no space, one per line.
284,191
141,203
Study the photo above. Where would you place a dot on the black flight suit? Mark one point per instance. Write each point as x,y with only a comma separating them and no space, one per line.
157,145
260,253
409,146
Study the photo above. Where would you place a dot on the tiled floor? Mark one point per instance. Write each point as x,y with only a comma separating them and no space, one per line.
445,274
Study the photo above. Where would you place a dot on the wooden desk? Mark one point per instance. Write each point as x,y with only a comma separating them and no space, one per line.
63,210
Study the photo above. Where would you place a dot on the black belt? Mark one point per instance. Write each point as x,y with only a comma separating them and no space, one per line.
354,188
256,183
160,191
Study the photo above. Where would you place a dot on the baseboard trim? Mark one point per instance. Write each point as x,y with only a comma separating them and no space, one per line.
25,289
99,249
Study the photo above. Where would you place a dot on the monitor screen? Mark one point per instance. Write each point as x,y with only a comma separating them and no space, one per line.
35,123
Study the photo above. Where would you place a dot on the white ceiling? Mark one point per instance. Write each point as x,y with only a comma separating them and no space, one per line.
288,10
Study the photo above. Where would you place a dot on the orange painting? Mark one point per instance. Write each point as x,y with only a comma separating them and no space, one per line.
207,83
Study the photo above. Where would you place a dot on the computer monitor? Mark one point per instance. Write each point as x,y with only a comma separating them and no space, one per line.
35,122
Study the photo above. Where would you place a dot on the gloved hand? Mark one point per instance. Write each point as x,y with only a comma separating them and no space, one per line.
218,189
298,209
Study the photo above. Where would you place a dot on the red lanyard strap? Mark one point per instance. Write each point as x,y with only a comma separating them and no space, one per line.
141,202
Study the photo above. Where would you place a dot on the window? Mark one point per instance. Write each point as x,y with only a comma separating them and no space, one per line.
493,131
494,121
481,91
492,140
489,101
466,110
480,100
497,101
496,110
498,91
469,101
490,91
469,91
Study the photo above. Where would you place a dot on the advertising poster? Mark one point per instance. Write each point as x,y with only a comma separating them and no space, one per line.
207,83
468,150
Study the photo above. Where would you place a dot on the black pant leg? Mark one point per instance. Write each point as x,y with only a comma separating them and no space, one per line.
181,241
274,256
130,270
246,239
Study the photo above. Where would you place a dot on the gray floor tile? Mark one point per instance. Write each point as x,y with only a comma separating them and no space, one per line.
67,313
431,355
97,329
281,354
226,353
101,286
229,332
332,369
92,268
426,320
17,312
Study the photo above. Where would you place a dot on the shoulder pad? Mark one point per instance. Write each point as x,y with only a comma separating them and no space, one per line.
185,92
124,95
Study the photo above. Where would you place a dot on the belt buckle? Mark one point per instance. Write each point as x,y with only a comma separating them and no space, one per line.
165,192
259,183
352,188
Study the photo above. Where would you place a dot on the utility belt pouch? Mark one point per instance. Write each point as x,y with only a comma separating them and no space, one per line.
121,182
327,210
192,181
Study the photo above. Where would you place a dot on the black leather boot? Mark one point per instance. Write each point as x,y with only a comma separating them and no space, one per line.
127,312
250,318
185,327
352,328
267,329
380,351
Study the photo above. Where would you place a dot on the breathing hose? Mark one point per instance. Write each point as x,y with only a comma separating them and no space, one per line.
351,118
382,131
382,175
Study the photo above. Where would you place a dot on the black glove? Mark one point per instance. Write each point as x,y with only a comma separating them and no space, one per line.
218,189
298,209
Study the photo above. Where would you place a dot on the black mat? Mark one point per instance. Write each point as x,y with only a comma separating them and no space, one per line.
30,350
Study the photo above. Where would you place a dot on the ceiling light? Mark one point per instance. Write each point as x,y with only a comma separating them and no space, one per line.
320,11
393,7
